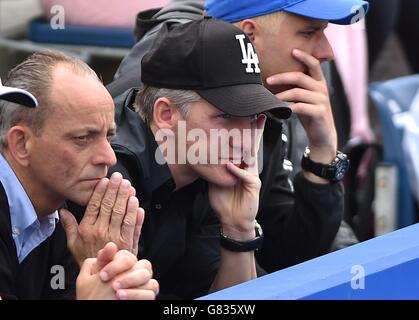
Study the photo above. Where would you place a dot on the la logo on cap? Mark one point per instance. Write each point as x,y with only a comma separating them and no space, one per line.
249,55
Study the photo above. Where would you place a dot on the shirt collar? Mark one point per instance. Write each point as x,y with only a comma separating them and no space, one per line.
22,212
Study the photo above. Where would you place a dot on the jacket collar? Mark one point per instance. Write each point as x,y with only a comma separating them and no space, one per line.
135,140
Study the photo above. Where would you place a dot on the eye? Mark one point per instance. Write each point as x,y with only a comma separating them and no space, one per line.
81,140
253,118
308,34
225,116
109,137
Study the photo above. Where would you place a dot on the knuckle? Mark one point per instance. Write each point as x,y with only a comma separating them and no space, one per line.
100,234
107,204
126,255
322,111
299,77
119,211
93,206
129,222
128,260
146,264
124,244
145,275
84,232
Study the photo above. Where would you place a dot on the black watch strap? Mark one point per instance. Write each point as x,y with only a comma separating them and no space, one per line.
243,246
334,171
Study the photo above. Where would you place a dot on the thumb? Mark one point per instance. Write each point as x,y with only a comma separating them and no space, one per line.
104,256
70,226
86,269
84,277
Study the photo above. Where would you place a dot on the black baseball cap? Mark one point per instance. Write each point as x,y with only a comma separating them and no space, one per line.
18,96
216,60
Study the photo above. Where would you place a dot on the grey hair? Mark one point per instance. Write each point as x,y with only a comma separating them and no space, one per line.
35,75
148,95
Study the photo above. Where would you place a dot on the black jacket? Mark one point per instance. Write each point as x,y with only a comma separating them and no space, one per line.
180,235
33,277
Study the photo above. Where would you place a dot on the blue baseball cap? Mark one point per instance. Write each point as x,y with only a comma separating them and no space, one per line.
334,11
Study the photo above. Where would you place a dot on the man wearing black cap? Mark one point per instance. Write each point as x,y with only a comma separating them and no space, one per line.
202,95
53,148
300,217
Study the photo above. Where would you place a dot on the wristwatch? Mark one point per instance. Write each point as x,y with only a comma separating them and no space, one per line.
334,171
243,246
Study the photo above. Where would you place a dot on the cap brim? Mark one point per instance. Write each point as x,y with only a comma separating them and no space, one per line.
18,96
246,100
336,11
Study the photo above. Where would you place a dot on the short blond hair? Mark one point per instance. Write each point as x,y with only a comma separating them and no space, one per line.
270,20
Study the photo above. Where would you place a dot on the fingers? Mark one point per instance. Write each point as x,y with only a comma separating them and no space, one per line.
132,191
308,110
301,95
300,79
123,261
108,201
250,157
120,209
128,228
104,256
137,230
133,279
297,79
136,294
314,67
93,207
245,176
260,126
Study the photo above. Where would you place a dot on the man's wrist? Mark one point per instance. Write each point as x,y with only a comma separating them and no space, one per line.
244,244
319,172
239,234
322,155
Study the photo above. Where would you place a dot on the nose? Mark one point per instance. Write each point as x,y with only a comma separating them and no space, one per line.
323,50
104,154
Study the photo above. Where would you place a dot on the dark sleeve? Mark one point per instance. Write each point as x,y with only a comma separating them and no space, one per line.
61,256
298,224
6,273
199,266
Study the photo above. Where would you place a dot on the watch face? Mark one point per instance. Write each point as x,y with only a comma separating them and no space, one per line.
341,169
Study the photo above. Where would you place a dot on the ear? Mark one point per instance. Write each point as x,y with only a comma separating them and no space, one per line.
165,114
19,140
251,28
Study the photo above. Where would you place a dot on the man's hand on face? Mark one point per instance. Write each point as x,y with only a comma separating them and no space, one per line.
112,215
312,105
116,275
237,206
